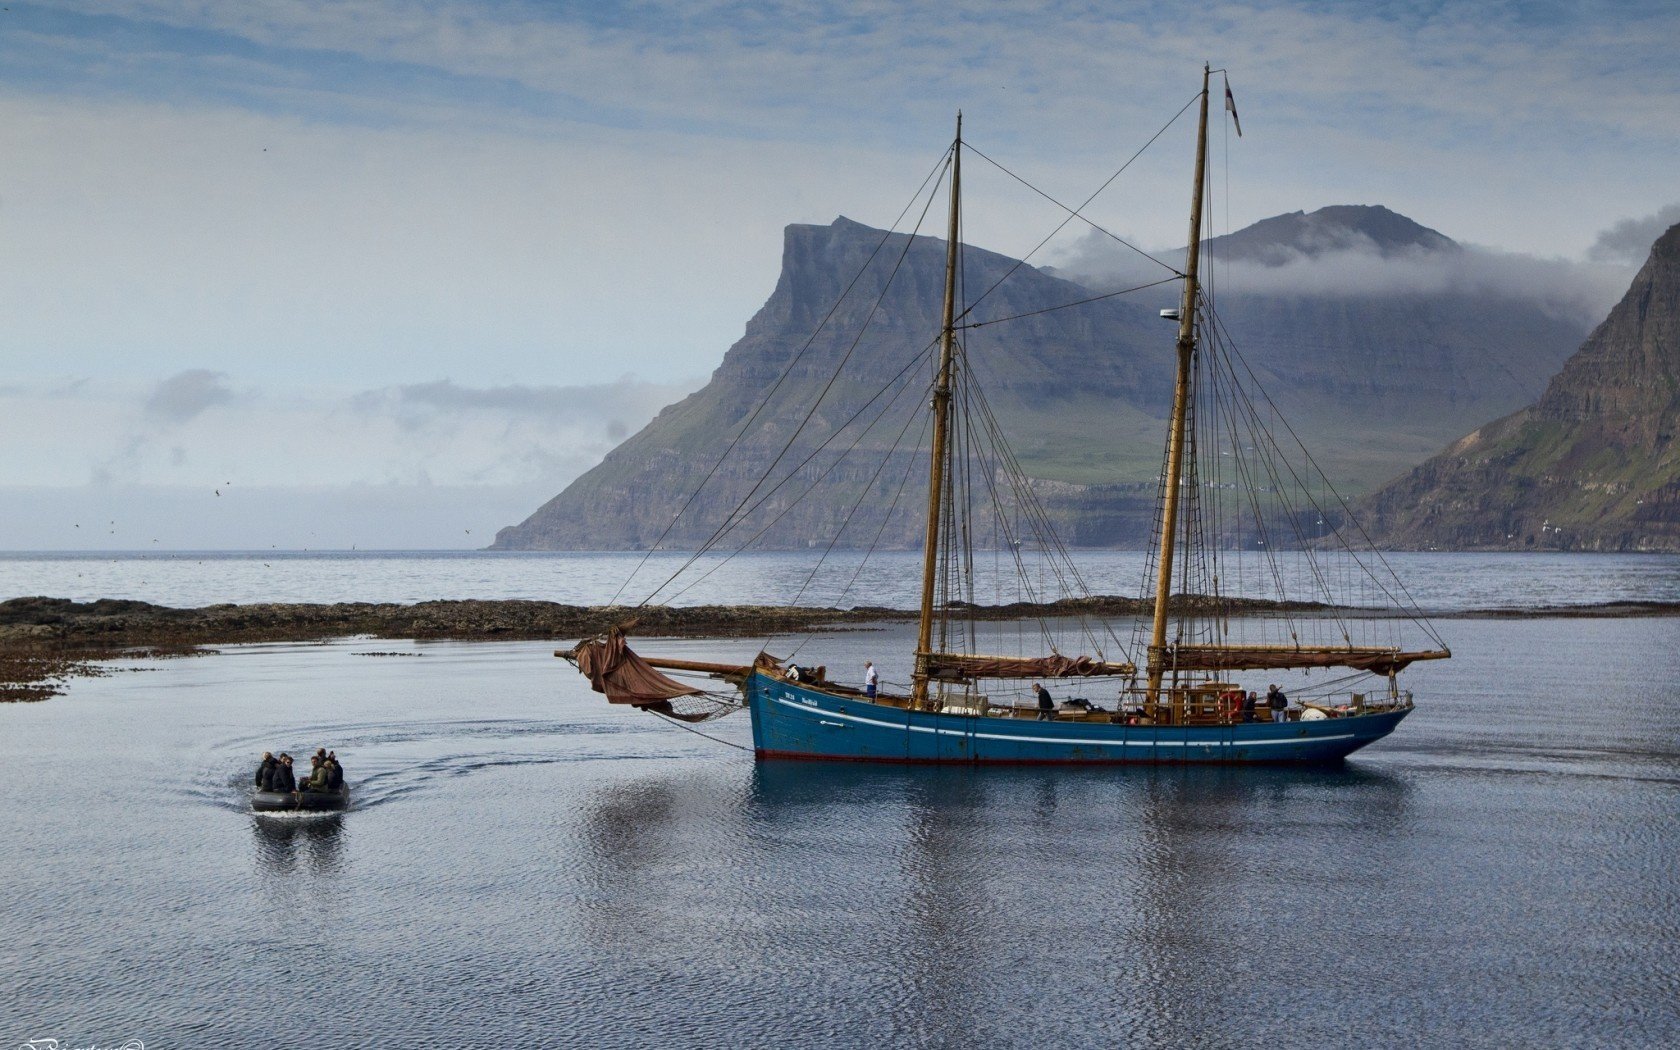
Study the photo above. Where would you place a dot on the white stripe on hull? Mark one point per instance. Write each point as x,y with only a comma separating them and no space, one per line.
970,734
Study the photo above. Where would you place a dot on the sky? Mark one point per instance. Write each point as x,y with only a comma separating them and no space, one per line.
389,274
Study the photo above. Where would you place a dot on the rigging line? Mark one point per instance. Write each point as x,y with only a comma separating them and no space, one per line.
707,736
961,545
1244,412
1075,213
880,530
787,370
737,516
1067,306
1217,529
742,511
1067,578
1198,549
1416,614
1038,520
820,478
863,495
961,555
1399,603
1022,496
1334,685
970,394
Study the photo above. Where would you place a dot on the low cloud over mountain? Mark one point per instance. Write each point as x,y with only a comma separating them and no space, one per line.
1353,251
1630,240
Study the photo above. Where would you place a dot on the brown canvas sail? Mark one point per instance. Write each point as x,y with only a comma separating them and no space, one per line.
959,665
1262,658
613,668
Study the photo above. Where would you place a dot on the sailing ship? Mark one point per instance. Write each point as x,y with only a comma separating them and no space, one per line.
1181,705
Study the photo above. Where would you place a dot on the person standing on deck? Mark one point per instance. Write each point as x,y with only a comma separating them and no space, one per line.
870,679
1277,702
1046,706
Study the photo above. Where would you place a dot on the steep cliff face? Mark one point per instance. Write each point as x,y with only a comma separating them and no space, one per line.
1081,392
1033,368
1592,465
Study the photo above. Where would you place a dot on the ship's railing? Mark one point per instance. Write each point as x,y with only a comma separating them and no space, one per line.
1206,704
1198,706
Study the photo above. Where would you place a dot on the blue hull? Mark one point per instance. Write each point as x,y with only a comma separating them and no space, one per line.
792,721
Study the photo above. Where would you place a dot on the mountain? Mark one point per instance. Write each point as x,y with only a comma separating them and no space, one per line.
1376,380
1592,465
1370,228
630,498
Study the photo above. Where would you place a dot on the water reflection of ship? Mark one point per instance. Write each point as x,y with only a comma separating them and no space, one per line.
293,843
1041,864
1218,853
1138,886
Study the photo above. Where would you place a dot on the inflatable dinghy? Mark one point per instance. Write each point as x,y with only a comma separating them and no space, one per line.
288,801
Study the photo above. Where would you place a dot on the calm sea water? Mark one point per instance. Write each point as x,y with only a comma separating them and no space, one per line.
1435,581
526,866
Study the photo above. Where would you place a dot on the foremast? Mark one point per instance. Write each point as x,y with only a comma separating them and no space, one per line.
941,429
1180,411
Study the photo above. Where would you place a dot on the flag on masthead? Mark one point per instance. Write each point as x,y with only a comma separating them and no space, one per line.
1231,105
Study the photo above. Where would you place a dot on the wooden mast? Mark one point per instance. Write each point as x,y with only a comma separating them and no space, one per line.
1181,404
941,420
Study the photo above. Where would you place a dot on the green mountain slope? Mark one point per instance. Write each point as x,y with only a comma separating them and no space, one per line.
1592,465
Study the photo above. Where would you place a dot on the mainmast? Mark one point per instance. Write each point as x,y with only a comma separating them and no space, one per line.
941,422
1181,406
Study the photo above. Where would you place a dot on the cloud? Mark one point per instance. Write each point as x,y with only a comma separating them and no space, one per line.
795,68
1579,291
525,191
603,409
404,465
187,394
1630,240
441,433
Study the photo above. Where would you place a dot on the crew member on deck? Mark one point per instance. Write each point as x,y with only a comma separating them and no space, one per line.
1046,706
1277,702
869,679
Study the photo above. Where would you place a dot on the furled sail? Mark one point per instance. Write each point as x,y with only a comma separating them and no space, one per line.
613,668
1267,658
962,666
